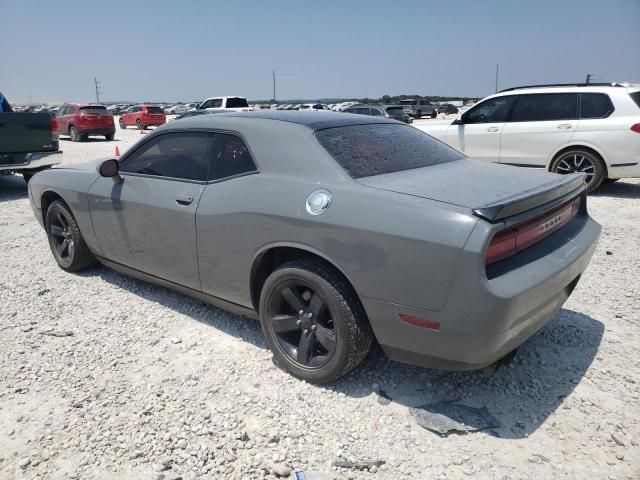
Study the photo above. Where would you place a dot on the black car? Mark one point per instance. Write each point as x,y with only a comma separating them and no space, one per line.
393,112
447,108
396,112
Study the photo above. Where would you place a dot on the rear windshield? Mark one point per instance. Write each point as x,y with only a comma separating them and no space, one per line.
635,96
408,102
154,110
237,102
395,111
94,111
376,149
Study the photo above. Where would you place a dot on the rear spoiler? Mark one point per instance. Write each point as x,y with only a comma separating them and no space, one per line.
565,185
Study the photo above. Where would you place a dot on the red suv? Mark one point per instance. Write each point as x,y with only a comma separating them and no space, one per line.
79,121
143,116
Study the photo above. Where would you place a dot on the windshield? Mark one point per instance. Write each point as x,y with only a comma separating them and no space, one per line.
376,149
237,102
395,111
154,110
408,102
94,111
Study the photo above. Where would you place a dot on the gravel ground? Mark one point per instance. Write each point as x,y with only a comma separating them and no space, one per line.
106,377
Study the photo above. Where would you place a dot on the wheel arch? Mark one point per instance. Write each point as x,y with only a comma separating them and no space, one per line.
579,146
47,198
271,257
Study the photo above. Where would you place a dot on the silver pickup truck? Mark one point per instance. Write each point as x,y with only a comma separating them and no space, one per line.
28,142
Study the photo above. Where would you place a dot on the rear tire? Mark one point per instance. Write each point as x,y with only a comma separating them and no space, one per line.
338,335
139,124
418,114
109,137
434,114
580,160
122,124
65,240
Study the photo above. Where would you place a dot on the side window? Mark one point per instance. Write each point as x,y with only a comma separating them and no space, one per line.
545,106
217,103
595,105
376,112
178,155
494,110
230,157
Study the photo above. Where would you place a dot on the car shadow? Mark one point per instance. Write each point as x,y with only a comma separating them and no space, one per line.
12,187
521,395
90,140
620,189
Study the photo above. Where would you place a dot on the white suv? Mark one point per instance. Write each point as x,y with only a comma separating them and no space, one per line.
594,129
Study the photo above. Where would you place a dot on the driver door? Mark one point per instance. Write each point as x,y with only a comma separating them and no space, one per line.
478,133
145,218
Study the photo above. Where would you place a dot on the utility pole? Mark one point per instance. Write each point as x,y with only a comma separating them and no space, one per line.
274,85
588,80
497,70
97,84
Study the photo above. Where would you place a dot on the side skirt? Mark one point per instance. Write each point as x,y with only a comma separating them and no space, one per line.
203,297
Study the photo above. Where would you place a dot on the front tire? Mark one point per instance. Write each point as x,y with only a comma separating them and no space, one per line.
123,126
74,135
581,161
418,114
313,321
65,240
434,114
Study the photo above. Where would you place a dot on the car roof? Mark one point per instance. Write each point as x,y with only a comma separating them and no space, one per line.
570,88
318,120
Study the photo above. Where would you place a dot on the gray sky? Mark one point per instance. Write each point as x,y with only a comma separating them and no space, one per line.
188,50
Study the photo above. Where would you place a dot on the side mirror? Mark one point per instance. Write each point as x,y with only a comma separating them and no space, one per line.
109,168
199,106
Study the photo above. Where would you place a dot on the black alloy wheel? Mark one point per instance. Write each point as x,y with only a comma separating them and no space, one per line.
67,244
302,324
61,238
313,321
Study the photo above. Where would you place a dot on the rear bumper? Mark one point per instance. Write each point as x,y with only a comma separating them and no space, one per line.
485,319
98,131
30,161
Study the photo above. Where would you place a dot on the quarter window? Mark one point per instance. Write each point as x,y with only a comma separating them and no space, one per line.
595,105
494,110
182,155
545,106
231,157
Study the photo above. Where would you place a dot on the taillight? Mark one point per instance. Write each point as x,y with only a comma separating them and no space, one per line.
53,126
523,235
635,128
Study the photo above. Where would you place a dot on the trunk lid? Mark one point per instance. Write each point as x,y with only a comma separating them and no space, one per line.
492,191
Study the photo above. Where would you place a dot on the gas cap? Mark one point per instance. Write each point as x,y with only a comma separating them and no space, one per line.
318,201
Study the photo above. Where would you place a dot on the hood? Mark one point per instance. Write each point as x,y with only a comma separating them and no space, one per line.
492,190
91,165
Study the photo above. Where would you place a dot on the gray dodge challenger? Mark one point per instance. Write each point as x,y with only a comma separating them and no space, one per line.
334,230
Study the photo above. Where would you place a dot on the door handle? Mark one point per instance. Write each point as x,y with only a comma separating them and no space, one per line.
565,126
492,129
184,199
